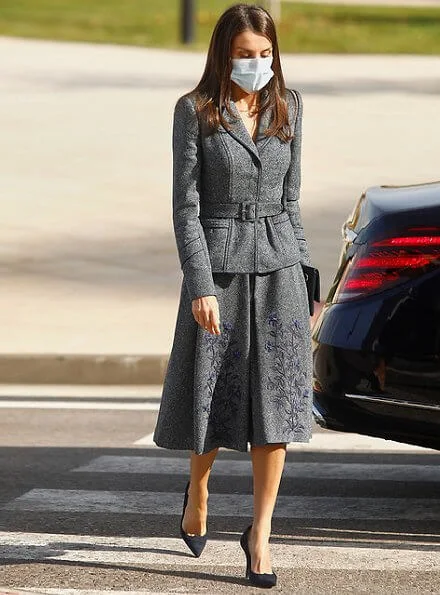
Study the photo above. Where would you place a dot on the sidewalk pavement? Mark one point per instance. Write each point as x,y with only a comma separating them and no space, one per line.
90,274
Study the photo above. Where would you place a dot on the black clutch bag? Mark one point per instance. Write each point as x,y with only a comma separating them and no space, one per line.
313,286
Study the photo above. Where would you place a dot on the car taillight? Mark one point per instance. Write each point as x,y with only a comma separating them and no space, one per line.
390,261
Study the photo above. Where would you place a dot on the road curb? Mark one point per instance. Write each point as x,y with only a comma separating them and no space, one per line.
101,369
92,369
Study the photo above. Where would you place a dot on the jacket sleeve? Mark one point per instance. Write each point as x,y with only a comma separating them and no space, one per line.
190,238
292,183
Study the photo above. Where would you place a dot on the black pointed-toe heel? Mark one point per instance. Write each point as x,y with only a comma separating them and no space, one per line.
257,579
196,543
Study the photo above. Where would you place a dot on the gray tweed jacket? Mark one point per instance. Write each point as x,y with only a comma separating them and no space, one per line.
212,174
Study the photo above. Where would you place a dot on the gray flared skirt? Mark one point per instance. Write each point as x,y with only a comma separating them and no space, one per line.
252,384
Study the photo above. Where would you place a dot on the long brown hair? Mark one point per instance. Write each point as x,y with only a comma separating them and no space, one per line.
213,91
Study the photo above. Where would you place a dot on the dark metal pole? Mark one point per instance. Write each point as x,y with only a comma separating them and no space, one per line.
187,20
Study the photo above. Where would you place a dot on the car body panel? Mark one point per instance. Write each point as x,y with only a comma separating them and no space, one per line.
377,357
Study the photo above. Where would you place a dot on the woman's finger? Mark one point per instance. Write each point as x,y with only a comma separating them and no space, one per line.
214,321
205,312
202,317
196,310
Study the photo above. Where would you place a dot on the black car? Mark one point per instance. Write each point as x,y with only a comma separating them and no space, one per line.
376,341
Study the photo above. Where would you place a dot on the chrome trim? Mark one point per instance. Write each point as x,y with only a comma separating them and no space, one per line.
348,233
318,417
399,402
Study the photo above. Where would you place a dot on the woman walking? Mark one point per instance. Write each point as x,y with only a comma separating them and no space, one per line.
240,368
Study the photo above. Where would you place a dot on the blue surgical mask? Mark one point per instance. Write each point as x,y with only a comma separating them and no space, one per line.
252,74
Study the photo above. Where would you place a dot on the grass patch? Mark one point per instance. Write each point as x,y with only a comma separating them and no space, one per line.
305,28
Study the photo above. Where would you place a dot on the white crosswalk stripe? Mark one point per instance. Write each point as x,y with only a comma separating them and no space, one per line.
335,441
227,505
150,551
366,551
240,468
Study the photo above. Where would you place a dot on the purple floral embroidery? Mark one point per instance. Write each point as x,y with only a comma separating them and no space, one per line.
272,319
223,385
287,380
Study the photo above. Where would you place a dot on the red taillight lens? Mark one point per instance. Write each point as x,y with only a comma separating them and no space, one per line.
390,261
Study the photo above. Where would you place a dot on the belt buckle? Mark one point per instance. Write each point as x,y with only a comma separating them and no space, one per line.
245,211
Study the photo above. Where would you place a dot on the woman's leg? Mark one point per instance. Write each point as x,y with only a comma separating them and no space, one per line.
267,464
194,521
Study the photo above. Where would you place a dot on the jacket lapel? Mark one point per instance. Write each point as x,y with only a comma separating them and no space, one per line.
261,139
239,131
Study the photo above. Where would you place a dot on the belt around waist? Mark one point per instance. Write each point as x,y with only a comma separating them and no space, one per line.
247,210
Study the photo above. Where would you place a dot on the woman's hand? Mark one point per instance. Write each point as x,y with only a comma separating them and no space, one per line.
206,312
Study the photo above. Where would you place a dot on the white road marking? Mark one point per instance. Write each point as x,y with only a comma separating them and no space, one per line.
348,441
346,471
112,397
146,440
218,552
68,397
63,391
227,505
121,406
335,441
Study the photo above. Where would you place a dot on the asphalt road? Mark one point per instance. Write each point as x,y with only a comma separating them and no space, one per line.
87,504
